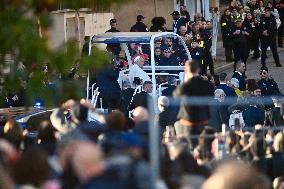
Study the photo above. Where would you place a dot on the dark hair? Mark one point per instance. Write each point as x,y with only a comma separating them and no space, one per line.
158,21
116,121
46,132
251,84
147,83
193,66
80,112
14,133
222,76
269,2
32,168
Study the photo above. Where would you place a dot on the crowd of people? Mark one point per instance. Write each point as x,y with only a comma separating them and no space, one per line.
66,150
229,137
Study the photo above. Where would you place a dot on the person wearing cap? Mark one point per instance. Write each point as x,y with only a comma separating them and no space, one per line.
169,59
113,25
268,29
136,71
240,44
166,117
178,20
139,26
235,14
115,47
267,84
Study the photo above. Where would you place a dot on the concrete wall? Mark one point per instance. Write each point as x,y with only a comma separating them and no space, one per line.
64,26
126,14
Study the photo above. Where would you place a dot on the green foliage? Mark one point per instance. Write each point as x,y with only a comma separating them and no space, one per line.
20,39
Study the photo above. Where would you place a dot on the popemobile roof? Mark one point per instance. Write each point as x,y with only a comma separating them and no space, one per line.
125,37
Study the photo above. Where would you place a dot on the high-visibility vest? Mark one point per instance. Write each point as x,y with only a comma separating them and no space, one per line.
201,44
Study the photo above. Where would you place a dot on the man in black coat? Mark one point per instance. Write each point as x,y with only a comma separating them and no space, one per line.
268,31
127,94
169,59
141,99
172,81
139,26
113,25
239,75
267,84
109,88
194,117
114,48
178,20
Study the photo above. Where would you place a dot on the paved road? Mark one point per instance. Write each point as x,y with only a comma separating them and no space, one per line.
253,69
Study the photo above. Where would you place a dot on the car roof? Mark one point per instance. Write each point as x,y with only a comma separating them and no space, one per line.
123,37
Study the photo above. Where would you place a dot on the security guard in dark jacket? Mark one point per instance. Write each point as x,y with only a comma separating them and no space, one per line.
226,29
115,47
268,31
139,26
267,84
113,25
241,50
206,37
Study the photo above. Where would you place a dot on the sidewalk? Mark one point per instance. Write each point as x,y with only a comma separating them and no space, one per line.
220,65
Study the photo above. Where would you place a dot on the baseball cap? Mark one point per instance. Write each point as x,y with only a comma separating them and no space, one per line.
264,68
112,21
167,50
175,13
140,17
194,40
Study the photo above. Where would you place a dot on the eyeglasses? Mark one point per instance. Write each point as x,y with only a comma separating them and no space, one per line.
168,52
263,73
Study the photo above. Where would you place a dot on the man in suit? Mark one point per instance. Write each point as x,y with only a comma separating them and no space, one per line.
239,75
172,81
141,99
229,91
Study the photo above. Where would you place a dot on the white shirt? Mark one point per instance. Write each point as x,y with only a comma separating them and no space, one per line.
136,71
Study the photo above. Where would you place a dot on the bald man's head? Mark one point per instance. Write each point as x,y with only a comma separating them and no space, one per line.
140,114
236,175
87,160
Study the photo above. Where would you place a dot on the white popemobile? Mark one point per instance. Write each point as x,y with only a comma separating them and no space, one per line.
145,39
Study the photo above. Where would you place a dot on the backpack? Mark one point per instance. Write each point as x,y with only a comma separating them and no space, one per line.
236,120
